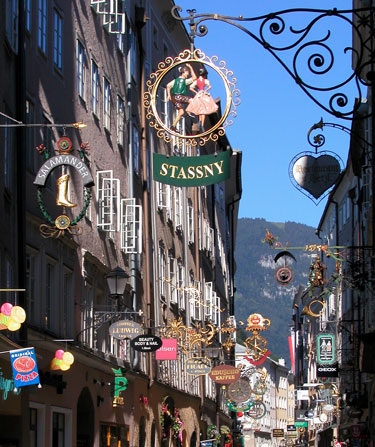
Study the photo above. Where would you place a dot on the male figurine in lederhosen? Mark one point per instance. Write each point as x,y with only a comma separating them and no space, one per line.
176,91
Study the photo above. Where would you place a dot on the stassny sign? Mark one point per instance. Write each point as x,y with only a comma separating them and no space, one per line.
191,171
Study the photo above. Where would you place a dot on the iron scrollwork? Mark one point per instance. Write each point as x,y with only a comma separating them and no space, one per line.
309,58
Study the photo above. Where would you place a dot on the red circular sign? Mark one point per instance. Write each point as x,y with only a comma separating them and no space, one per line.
225,374
24,364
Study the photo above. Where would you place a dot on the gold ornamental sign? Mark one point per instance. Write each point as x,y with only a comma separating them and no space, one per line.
225,374
178,93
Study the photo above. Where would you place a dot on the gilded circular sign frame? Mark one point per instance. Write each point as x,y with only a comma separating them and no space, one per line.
170,63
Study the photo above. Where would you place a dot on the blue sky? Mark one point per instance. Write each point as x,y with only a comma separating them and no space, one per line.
275,114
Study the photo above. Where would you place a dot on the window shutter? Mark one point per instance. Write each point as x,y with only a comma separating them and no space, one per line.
108,196
169,201
208,301
131,226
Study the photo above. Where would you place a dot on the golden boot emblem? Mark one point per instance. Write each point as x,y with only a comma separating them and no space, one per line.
62,192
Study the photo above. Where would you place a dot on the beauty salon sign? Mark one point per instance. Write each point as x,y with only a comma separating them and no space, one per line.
191,171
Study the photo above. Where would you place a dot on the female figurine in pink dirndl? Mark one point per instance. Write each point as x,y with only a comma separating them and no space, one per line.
202,104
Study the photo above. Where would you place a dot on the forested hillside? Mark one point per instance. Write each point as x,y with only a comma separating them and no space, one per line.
257,290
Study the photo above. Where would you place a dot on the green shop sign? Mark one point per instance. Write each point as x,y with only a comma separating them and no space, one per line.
326,348
191,171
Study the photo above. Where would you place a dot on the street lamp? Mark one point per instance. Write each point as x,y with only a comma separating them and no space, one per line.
116,281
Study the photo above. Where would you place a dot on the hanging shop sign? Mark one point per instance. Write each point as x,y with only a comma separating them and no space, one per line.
278,433
11,317
62,360
125,329
315,173
183,82
239,391
191,171
328,408
290,428
257,410
225,374
331,370
168,350
198,366
146,343
65,161
326,348
238,407
301,424
121,383
25,369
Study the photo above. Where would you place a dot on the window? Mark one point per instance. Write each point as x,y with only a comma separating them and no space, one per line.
28,10
180,292
131,226
11,18
81,73
190,222
135,149
87,317
172,277
58,429
112,435
94,88
50,294
178,208
61,427
31,284
162,262
36,424
106,104
31,153
57,39
42,25
121,21
33,426
120,113
67,309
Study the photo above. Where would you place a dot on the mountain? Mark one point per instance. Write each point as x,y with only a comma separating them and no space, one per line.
256,288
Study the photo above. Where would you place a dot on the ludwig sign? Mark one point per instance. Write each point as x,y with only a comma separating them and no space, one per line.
191,171
125,329
198,366
225,374
146,343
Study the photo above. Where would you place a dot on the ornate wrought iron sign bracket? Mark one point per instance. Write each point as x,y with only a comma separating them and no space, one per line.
305,51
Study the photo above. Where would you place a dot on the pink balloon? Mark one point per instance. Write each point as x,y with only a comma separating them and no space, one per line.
6,309
59,354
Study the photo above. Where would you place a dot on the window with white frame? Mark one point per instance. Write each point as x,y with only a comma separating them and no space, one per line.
57,39
11,23
42,25
163,105
162,270
61,426
37,414
190,221
131,226
172,292
178,208
81,69
108,200
106,104
94,88
180,285
120,115
121,23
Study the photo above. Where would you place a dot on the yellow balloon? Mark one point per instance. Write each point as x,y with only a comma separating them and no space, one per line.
13,325
18,314
68,358
64,366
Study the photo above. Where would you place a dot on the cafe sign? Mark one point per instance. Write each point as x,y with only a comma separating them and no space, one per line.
191,171
225,374
198,366
125,329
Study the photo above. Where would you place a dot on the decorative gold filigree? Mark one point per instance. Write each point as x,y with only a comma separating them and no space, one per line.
170,63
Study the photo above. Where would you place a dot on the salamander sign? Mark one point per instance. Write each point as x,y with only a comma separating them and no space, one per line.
191,171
